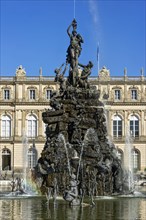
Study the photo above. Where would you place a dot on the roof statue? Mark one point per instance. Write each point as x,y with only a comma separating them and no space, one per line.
104,74
20,72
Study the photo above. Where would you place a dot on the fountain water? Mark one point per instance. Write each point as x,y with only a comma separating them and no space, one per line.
25,151
62,138
128,162
19,185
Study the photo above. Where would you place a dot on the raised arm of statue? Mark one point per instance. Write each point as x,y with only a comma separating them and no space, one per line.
68,30
61,67
74,26
58,72
64,69
81,65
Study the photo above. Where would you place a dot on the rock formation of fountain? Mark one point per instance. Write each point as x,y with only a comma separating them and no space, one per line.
77,159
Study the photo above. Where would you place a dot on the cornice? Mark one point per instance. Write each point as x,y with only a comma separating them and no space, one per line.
24,103
10,103
125,103
131,104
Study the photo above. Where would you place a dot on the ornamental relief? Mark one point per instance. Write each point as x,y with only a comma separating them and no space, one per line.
32,87
104,93
47,88
117,87
8,113
133,113
31,112
118,113
6,87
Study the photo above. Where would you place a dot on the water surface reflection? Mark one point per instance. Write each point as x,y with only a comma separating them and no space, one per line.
106,208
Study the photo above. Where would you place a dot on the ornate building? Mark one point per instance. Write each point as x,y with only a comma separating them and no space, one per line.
24,98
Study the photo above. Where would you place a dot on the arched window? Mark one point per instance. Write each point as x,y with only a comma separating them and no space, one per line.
32,126
136,159
117,126
134,126
32,157
6,159
6,126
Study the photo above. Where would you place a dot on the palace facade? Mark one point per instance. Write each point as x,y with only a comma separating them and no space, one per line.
24,98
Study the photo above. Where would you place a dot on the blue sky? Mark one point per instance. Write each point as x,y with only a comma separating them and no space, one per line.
33,34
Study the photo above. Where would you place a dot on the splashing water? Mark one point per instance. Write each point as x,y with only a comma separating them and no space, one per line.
128,161
25,150
62,138
80,158
89,133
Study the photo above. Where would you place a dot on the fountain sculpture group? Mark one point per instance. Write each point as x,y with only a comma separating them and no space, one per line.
78,159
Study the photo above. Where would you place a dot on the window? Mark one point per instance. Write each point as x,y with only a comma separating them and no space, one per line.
117,95
32,126
32,94
136,159
120,155
134,126
32,157
6,159
6,94
117,126
48,94
6,126
134,94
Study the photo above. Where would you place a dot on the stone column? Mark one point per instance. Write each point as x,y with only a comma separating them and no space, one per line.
40,92
109,124
40,124
142,121
23,92
13,125
16,92
142,92
125,92
16,122
23,121
126,123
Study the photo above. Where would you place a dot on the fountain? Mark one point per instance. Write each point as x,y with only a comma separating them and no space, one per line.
78,160
19,185
77,154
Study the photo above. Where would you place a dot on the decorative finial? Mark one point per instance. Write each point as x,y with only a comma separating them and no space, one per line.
40,71
142,71
125,71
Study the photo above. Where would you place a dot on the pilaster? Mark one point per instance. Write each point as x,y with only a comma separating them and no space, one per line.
40,92
126,123
23,120
40,124
23,92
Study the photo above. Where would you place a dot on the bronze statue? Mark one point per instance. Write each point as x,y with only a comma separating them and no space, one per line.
83,79
60,77
74,49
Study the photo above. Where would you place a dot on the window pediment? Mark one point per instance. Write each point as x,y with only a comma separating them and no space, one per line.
116,88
